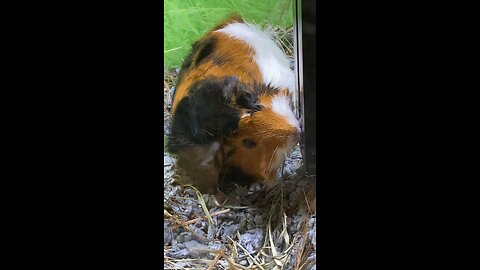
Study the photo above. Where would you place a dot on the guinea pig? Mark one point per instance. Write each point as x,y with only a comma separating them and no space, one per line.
232,113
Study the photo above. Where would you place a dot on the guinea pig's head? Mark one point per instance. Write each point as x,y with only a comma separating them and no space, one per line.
264,137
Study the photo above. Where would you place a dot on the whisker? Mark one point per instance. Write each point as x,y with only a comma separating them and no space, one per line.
283,165
271,159
207,132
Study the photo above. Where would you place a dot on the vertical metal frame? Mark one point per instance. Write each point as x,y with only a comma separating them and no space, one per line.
305,67
298,56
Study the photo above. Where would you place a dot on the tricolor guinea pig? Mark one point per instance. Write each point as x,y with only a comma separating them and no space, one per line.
232,114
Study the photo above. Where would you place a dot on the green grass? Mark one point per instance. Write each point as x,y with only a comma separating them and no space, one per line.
187,20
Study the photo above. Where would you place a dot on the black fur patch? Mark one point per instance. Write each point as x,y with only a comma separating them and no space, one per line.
181,133
205,50
248,101
199,49
204,115
209,113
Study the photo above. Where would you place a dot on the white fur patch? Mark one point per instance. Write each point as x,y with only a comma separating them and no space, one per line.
281,106
273,64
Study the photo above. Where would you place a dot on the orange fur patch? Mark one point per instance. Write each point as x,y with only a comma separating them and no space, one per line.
239,63
266,100
270,132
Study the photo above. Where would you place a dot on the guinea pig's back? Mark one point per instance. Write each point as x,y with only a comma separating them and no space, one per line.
235,48
269,58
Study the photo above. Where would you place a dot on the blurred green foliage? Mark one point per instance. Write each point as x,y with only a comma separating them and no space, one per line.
185,21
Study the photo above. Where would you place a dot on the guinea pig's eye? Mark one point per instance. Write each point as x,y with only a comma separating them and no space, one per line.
249,143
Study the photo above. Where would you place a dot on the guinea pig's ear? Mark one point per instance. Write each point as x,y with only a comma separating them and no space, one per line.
246,98
240,95
249,101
